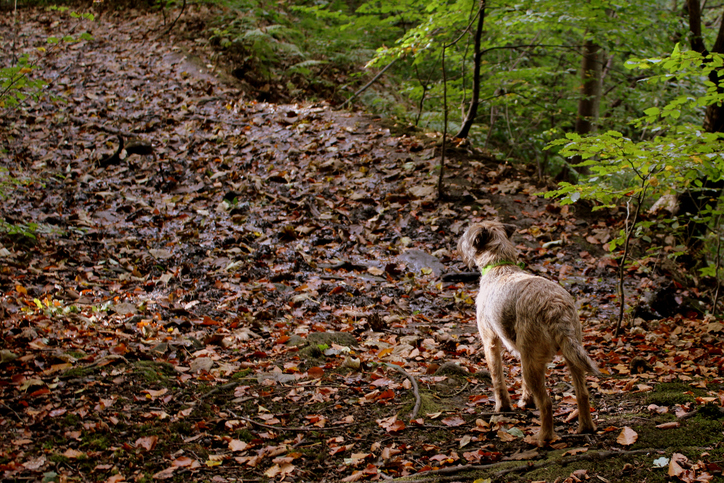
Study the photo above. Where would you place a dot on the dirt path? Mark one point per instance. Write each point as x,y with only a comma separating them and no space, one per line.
227,307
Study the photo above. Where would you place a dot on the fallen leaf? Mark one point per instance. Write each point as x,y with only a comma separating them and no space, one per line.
72,453
661,462
277,470
183,461
627,437
675,469
315,372
453,421
35,464
237,445
391,424
146,442
165,474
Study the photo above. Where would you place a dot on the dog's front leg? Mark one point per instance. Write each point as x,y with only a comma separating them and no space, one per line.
492,345
527,401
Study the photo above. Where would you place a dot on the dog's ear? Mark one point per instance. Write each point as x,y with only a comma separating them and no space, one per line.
482,237
509,229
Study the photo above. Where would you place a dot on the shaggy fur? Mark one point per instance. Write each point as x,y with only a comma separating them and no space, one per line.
532,317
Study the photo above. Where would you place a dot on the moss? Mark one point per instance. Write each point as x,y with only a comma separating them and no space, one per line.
71,419
695,432
98,442
181,427
611,467
672,393
79,372
153,371
241,374
244,435
711,411
428,405
59,459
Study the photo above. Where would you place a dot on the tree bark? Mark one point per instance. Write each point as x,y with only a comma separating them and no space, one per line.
691,203
477,59
588,105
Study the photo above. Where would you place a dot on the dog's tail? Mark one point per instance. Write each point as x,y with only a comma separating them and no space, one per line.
574,353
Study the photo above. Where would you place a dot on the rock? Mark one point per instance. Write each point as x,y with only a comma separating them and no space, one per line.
296,341
418,259
202,364
275,376
329,338
451,369
124,308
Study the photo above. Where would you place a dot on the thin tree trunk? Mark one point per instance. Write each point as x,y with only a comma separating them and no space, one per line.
692,202
591,70
477,59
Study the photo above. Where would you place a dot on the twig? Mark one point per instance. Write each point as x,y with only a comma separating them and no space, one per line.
718,265
444,128
20,418
218,388
415,388
366,86
103,361
170,27
286,428
621,270
444,100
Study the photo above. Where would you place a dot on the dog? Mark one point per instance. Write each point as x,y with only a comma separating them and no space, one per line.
532,317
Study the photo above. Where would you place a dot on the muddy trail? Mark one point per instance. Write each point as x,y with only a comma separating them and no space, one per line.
259,292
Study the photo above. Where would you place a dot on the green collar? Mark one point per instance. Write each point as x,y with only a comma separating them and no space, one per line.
493,265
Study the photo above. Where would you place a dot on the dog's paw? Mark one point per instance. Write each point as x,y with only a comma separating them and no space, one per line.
503,406
545,439
526,402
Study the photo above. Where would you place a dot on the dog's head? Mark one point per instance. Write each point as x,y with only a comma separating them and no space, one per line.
486,243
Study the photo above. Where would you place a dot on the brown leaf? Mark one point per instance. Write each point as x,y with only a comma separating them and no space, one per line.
391,424
453,421
277,470
183,461
165,474
315,372
72,453
675,469
627,437
237,445
146,442
505,436
154,394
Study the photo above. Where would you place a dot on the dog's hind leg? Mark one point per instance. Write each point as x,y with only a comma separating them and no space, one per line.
535,383
585,422
493,345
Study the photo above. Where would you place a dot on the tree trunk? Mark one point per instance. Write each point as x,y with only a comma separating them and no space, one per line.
691,203
477,59
591,69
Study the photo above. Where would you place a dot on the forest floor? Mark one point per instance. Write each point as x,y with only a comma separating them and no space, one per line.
259,292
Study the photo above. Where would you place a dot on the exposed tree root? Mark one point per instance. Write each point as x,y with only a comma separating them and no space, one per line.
452,473
415,388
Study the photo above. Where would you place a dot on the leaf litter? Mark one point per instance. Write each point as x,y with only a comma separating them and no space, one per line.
227,301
